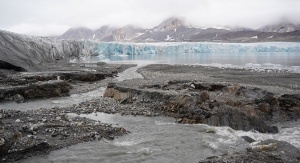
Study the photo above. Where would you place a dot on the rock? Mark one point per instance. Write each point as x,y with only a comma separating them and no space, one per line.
266,151
123,130
117,94
2,142
35,127
290,104
35,90
179,120
101,63
204,96
18,98
265,147
193,86
70,116
44,120
234,88
283,148
17,135
248,139
18,120
211,130
264,107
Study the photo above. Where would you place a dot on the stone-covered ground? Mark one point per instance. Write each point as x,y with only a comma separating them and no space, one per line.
239,98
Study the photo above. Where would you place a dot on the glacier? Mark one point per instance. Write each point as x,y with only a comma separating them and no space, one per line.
117,48
29,52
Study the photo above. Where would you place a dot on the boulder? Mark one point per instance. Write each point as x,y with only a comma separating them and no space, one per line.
266,151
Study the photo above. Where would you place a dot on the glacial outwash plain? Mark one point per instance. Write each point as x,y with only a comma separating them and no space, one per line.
159,95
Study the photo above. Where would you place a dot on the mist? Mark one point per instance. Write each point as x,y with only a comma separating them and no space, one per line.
53,17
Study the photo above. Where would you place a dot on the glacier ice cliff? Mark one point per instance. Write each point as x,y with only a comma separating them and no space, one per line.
114,48
30,53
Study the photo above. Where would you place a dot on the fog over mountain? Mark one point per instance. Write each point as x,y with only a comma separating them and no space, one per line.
175,29
54,17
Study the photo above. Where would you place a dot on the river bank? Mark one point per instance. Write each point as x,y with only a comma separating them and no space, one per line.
194,94
242,99
34,130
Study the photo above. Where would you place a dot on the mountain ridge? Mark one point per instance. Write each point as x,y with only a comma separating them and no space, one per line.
176,29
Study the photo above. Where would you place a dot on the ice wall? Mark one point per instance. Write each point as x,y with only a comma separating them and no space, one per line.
30,52
113,48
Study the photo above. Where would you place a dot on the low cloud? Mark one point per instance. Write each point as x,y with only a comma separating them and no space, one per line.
53,17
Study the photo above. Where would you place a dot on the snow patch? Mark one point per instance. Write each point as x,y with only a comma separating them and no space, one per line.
168,38
138,34
215,36
255,37
216,27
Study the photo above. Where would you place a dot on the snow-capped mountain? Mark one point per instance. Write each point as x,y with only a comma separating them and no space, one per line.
170,24
128,32
177,30
280,28
103,33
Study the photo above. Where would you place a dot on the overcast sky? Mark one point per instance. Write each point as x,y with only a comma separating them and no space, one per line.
53,17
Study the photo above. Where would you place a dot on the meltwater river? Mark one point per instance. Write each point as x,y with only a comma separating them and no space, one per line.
159,139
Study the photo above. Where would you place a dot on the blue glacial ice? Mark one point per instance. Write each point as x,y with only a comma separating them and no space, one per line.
113,48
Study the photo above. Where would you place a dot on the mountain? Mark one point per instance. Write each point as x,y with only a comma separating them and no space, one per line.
170,24
128,32
80,33
280,28
177,30
103,33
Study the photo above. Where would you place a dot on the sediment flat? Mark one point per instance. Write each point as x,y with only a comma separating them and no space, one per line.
273,80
